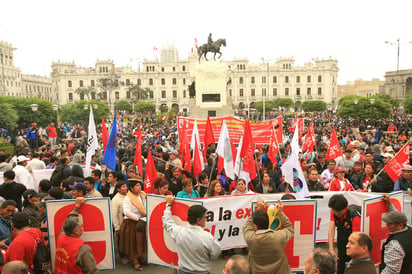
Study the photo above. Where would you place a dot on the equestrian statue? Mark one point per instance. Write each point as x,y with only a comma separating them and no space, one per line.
211,47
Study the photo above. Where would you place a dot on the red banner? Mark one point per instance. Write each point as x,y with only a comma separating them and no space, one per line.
394,167
260,131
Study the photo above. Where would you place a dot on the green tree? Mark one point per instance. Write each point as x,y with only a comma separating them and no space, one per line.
387,98
77,114
314,105
407,103
284,102
269,106
124,105
138,93
108,85
145,106
163,108
85,92
364,108
9,116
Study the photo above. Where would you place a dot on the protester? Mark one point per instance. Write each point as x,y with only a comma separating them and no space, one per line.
188,191
162,187
320,261
340,183
79,189
405,182
347,220
314,183
6,212
267,247
31,198
109,189
12,190
73,255
24,245
358,248
327,174
117,214
91,191
397,250
23,176
133,229
265,185
15,267
195,246
236,264
241,188
215,189
368,182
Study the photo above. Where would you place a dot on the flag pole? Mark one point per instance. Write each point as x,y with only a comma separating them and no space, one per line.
210,176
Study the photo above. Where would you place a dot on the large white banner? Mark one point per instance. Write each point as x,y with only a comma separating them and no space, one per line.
96,218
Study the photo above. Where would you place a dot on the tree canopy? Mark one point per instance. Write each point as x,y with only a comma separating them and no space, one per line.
364,109
314,105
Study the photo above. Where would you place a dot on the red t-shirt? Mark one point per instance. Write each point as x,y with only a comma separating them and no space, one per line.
356,224
23,247
52,132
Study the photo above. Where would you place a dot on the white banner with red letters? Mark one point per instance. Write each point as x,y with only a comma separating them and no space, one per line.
226,216
96,218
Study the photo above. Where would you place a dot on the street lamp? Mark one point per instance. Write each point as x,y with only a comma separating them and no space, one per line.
55,109
356,101
372,101
398,44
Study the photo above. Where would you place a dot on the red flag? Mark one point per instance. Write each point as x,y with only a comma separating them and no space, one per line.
278,129
333,149
197,47
310,140
208,137
105,135
154,48
248,152
197,165
138,152
273,147
394,167
184,147
164,118
151,174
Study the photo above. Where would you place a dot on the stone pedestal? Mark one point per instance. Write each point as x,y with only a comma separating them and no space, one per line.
211,97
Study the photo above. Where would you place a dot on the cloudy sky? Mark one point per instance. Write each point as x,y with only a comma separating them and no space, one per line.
353,32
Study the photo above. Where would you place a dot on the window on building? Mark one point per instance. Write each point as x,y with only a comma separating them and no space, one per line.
275,79
139,82
319,78
93,95
163,93
82,96
184,93
264,80
241,92
127,82
163,69
309,79
240,80
174,69
298,79
286,79
230,92
174,81
275,92
105,95
252,79
92,83
70,96
184,81
151,94
184,68
69,83
117,95
252,92
81,83
150,82
127,94
298,91
319,91
264,92
286,91
309,91
175,94
27,88
163,81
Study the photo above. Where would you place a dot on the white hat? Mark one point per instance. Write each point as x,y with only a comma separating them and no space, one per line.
22,158
387,155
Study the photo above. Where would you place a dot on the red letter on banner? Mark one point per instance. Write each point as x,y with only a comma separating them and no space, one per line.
305,215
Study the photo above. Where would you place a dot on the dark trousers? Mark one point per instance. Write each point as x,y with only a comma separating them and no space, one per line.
343,259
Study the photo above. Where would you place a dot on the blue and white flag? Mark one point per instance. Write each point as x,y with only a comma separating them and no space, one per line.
110,154
293,173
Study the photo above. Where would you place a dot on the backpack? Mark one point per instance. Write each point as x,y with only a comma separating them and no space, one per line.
41,261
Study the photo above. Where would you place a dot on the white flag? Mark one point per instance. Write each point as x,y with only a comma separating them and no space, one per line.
92,143
294,145
196,139
241,174
293,173
224,150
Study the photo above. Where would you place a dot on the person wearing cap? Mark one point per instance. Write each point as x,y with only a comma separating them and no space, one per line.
405,181
387,181
32,135
368,181
397,250
31,198
23,176
358,248
174,160
79,189
340,183
346,219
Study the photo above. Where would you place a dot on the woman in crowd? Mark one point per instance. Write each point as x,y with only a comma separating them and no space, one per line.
133,230
368,181
340,183
215,189
241,188
161,187
203,183
265,185
187,191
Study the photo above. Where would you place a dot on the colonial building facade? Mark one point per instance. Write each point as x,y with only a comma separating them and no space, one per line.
398,83
362,88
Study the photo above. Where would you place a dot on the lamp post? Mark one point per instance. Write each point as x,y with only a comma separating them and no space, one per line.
55,109
372,101
398,45
34,108
356,104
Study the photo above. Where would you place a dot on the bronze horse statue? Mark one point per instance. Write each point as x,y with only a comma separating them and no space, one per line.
215,47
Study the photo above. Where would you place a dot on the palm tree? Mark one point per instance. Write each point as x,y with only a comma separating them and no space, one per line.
137,93
82,91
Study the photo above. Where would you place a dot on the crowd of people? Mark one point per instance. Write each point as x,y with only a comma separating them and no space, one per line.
367,146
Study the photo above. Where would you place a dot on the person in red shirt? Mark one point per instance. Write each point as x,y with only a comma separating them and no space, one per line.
340,183
23,247
347,220
51,130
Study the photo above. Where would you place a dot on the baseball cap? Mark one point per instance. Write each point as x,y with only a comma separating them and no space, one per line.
387,155
80,186
395,217
33,124
22,158
174,152
338,169
407,167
